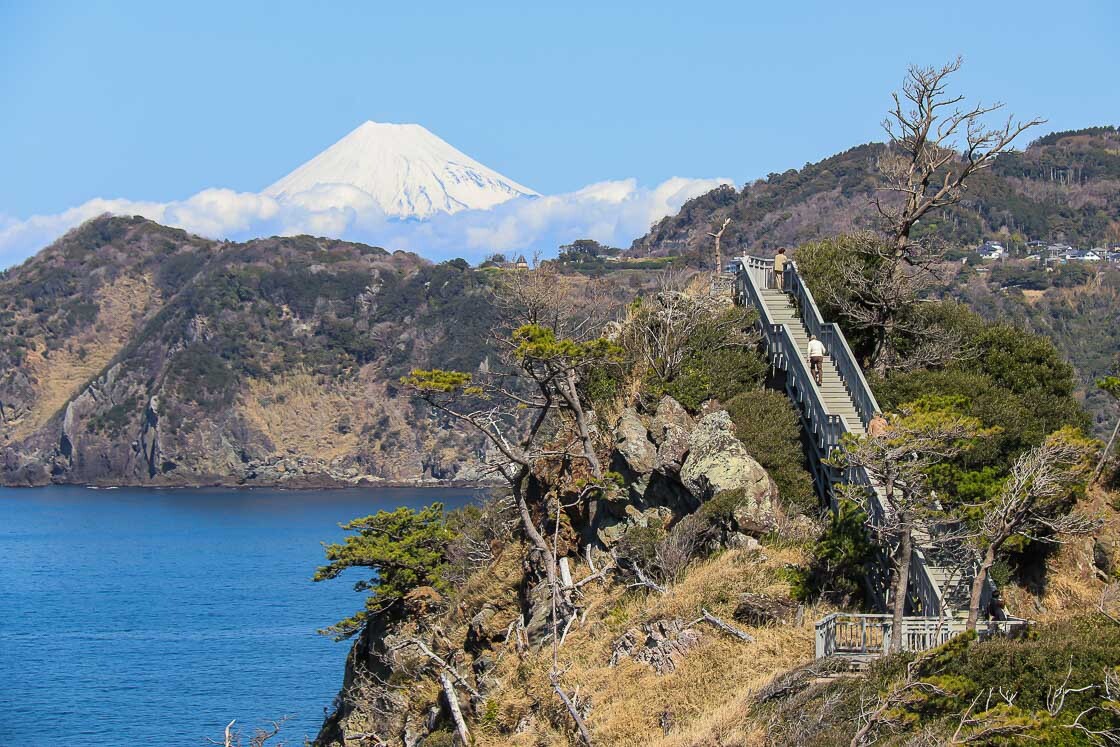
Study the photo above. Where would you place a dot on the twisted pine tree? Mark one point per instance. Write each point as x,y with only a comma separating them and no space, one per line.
406,551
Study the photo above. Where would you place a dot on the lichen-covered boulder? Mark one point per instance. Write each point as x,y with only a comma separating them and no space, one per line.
670,415
672,450
632,445
717,461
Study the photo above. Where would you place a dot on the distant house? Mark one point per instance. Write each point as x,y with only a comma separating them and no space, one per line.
1057,253
1082,255
991,250
521,264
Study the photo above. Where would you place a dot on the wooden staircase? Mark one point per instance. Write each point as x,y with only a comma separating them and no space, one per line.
837,400
842,404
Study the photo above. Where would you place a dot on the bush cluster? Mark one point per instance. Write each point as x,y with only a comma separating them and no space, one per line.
769,427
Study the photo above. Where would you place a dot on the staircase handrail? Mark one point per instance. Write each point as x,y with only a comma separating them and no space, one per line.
842,357
828,427
779,338
929,593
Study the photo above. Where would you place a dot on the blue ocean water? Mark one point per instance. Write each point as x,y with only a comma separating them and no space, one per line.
152,617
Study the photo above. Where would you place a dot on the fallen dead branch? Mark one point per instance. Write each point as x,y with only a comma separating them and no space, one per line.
711,619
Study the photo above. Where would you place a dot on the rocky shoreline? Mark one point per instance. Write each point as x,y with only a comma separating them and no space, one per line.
296,482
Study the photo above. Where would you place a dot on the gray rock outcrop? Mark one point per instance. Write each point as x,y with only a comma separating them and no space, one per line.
632,444
661,644
673,464
717,461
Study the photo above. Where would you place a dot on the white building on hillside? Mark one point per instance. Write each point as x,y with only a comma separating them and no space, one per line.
991,250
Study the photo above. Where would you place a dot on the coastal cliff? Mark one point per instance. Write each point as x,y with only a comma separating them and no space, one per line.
132,353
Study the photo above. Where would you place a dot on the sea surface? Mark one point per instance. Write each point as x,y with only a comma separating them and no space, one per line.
154,617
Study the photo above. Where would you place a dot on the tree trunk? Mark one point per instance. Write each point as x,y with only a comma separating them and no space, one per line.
902,581
978,586
534,535
878,347
453,706
571,397
1104,454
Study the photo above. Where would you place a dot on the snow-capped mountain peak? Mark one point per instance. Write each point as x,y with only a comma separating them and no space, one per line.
406,170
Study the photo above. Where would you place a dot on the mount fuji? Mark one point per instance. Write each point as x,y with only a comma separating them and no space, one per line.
406,170
392,185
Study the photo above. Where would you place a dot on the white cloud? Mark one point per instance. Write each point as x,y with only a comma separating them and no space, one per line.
613,212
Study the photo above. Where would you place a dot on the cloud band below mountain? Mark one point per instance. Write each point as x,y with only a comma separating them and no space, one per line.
613,212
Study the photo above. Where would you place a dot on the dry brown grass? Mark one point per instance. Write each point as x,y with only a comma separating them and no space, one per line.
1072,584
300,413
61,374
702,703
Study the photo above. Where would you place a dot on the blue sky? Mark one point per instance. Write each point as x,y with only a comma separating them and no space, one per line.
157,101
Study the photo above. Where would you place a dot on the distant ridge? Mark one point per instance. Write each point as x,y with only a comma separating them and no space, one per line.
406,170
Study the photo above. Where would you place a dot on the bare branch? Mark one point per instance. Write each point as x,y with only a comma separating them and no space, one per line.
731,630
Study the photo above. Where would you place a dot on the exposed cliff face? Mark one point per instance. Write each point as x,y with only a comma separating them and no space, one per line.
137,354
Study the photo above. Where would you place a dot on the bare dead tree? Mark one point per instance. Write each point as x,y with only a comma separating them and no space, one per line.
937,143
572,307
260,737
1109,695
1056,695
1032,503
442,664
899,460
718,236
661,330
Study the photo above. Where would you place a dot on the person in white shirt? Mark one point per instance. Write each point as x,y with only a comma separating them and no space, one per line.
816,359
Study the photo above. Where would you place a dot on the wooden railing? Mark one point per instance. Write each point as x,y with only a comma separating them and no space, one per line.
826,429
842,634
834,341
782,350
